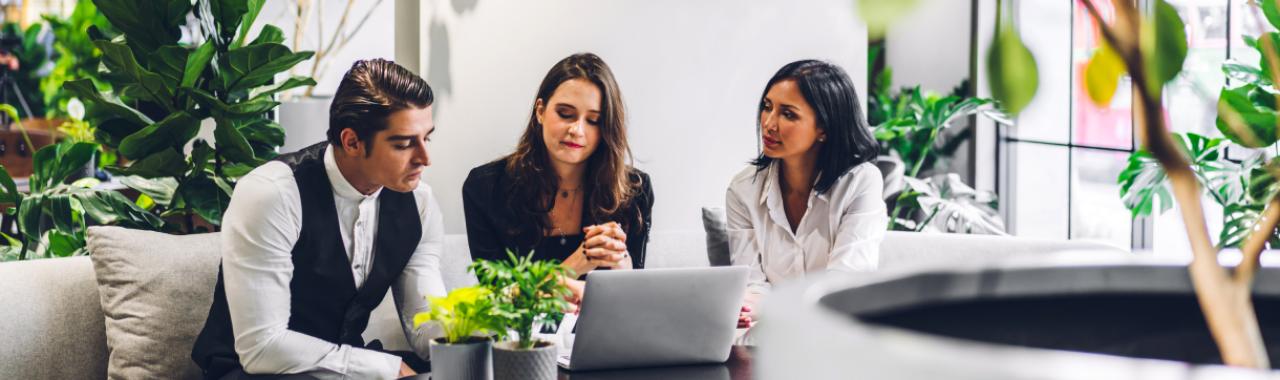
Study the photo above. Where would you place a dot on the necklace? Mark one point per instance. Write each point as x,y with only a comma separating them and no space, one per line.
564,194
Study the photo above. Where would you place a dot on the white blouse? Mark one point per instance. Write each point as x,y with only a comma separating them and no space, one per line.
841,229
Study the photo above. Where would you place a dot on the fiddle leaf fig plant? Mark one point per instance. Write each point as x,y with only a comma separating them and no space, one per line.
163,89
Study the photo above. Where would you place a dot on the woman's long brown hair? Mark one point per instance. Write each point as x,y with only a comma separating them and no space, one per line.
608,185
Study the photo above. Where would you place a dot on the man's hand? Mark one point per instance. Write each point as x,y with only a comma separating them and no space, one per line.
405,371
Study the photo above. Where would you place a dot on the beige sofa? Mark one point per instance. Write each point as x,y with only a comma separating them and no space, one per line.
52,322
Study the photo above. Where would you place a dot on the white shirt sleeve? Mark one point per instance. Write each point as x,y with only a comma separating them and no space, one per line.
862,226
260,228
421,277
743,248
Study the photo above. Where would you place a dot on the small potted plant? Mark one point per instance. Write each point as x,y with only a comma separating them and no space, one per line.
523,290
467,318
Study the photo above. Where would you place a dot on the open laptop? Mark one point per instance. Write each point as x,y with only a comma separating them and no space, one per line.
654,317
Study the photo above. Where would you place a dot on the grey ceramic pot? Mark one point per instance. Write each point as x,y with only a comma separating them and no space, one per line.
462,361
512,363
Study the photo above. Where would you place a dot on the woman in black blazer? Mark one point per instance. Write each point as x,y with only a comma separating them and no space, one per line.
567,193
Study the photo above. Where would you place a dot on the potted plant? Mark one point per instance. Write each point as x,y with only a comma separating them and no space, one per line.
523,291
165,89
468,319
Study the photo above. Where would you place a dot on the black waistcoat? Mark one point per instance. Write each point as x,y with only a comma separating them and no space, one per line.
325,302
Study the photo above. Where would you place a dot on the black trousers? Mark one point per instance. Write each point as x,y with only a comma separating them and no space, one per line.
417,364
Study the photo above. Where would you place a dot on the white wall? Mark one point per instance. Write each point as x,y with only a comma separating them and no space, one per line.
929,47
691,73
374,38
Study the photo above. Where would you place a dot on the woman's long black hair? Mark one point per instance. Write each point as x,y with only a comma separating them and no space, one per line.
838,111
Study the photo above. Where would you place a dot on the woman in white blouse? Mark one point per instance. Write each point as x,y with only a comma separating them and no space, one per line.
812,200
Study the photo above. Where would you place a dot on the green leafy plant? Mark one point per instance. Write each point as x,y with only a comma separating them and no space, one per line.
1149,44
33,55
523,291
75,56
52,215
163,89
1145,188
951,206
464,314
913,121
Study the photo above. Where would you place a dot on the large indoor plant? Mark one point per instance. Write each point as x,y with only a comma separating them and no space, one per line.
908,127
51,215
163,89
467,317
524,291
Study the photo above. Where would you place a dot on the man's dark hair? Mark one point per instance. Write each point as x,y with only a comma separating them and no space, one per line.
370,92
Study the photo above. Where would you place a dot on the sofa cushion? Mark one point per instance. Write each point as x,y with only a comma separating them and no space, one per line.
714,222
51,324
155,290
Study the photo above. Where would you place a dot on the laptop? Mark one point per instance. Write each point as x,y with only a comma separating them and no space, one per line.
654,317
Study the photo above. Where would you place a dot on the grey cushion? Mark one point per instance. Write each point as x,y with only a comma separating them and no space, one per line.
713,220
156,290
51,324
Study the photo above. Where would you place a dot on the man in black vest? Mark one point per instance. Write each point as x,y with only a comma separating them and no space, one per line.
313,240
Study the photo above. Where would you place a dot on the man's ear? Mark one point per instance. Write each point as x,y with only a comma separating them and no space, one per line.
351,144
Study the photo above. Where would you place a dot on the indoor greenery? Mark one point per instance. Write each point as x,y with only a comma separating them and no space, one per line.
908,125
523,291
464,314
1149,44
52,215
164,88
75,56
34,54
1145,188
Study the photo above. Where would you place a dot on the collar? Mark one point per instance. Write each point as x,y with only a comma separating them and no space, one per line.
341,187
771,179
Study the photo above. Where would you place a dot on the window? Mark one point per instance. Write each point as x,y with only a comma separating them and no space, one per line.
1057,168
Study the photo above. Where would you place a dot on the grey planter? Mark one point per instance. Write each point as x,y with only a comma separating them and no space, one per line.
511,363
462,361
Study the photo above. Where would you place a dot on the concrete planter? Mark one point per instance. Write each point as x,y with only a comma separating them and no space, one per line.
511,363
1068,315
462,361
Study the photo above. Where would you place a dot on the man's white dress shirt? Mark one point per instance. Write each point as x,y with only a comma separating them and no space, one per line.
841,229
260,228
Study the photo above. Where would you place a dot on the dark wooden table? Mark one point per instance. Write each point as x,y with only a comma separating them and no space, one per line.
737,368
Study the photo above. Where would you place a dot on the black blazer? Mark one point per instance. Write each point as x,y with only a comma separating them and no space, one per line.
493,227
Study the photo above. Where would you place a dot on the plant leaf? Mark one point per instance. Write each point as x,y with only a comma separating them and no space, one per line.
1241,121
270,34
1102,75
1163,41
254,65
174,131
120,61
165,163
160,190
880,14
1011,70
196,63
1143,185
231,143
